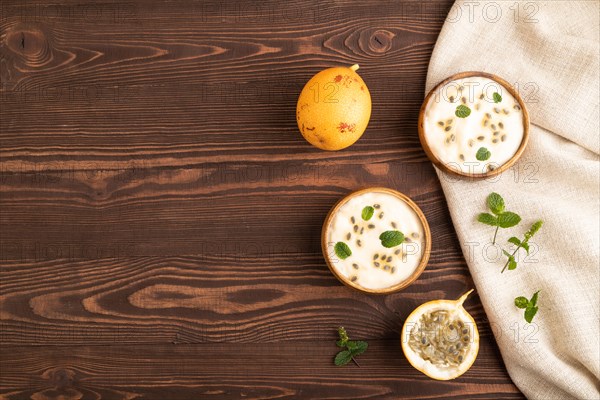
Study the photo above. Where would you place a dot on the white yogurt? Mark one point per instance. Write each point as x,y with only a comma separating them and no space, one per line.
393,265
495,126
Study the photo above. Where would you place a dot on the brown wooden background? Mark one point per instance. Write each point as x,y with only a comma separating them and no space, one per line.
161,213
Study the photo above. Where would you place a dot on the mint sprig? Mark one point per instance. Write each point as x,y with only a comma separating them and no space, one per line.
530,306
511,262
501,218
342,250
353,348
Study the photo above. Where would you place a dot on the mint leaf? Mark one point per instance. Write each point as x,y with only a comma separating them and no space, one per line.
483,154
391,238
521,302
530,313
359,348
532,231
497,97
341,343
462,111
487,219
343,358
534,299
496,203
367,213
536,227
508,219
351,345
342,250
515,241
511,263
525,245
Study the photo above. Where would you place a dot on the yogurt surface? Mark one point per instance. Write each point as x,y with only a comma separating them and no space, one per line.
494,128
371,265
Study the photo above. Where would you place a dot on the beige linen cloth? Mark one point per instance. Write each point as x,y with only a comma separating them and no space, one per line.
550,50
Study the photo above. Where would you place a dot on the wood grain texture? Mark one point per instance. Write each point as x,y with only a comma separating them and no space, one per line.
160,213
296,369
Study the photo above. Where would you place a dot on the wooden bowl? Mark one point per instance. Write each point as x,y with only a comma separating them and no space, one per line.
440,164
426,241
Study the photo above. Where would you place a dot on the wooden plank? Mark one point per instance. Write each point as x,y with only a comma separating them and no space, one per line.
211,208
264,298
294,369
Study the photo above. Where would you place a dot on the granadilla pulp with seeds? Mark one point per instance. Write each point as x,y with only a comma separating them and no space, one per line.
440,338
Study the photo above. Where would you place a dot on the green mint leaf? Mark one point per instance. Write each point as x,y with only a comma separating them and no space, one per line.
343,358
530,313
462,111
483,154
367,213
515,241
521,302
341,343
535,227
351,345
512,264
525,245
534,299
508,219
497,97
391,238
360,347
487,219
496,203
342,250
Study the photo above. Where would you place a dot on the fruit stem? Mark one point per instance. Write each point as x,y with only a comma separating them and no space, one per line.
462,298
354,67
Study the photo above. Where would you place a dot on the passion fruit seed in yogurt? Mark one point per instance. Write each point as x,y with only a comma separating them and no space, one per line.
370,244
473,125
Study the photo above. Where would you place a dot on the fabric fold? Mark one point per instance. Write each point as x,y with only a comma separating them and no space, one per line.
550,52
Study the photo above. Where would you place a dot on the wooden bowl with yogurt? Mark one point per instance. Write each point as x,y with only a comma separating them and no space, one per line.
473,124
376,240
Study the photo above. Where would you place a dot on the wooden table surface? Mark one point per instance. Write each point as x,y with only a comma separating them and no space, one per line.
161,213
